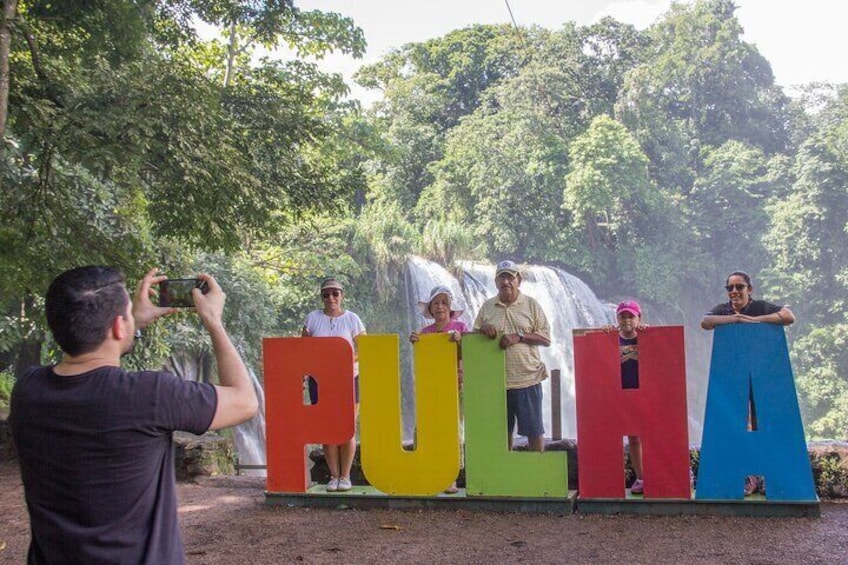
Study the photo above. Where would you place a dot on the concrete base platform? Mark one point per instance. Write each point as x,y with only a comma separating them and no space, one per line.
753,505
365,497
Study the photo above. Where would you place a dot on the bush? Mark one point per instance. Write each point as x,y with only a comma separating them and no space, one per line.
7,380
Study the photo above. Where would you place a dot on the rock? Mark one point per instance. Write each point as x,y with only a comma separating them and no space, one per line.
202,456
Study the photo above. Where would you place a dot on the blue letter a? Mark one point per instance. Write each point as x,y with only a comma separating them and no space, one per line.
750,363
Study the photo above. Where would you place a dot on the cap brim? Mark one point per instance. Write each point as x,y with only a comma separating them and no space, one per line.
630,310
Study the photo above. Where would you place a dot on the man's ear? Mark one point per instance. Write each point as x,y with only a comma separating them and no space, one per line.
119,328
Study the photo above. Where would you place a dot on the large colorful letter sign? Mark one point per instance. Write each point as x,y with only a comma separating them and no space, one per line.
752,360
291,425
655,412
490,468
434,463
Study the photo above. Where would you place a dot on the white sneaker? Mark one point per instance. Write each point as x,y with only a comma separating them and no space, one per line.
333,485
344,484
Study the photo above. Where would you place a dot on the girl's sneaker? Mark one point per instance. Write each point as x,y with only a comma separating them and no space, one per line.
344,484
333,485
638,487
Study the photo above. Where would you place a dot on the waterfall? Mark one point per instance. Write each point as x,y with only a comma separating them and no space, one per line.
249,437
567,301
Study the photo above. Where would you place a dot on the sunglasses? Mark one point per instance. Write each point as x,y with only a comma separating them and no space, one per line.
329,293
738,287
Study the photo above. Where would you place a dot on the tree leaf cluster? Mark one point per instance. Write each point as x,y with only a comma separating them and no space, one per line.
125,146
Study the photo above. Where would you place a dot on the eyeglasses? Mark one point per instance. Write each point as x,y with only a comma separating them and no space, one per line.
738,287
329,293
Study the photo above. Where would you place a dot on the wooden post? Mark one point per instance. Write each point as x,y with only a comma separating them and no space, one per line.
556,406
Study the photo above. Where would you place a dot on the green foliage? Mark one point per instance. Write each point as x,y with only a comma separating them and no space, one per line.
821,363
608,172
830,475
445,240
122,145
384,238
618,212
726,208
7,381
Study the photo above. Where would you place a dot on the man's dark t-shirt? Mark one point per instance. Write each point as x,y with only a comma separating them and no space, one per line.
97,462
753,308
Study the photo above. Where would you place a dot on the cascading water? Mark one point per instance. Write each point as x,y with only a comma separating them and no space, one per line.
249,437
567,301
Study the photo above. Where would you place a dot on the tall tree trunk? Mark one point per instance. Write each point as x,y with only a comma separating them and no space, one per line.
9,9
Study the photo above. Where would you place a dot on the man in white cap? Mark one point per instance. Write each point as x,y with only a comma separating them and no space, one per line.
521,325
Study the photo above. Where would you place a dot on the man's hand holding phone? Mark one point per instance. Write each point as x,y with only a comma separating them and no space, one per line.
209,299
179,293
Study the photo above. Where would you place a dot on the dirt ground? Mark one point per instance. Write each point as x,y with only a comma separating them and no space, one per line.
226,521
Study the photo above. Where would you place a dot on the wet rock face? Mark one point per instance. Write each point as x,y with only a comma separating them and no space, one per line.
202,456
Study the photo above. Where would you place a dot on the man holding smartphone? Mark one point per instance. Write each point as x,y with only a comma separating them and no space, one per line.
95,442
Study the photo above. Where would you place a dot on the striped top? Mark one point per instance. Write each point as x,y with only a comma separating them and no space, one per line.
524,366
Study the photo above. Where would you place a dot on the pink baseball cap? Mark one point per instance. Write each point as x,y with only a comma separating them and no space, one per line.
629,306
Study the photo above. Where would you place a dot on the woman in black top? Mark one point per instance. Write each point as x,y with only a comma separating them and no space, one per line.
743,309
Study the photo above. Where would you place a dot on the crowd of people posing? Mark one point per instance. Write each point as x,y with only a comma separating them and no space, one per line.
521,327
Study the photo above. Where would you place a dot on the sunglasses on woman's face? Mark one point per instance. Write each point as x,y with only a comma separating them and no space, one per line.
738,287
329,293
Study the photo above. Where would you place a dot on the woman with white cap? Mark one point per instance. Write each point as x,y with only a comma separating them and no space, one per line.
445,320
333,320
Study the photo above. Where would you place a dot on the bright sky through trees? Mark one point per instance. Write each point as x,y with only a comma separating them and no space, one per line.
802,40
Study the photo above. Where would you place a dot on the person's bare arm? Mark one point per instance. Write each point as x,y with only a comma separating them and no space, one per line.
782,317
710,321
529,338
237,400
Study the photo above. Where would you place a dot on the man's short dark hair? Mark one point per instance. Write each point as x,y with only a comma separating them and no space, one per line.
81,305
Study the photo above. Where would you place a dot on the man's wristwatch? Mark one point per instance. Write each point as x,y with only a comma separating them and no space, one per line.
520,334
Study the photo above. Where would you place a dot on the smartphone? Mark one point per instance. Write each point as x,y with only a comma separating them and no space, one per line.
176,293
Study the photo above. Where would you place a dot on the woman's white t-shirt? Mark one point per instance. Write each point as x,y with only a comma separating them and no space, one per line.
348,326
